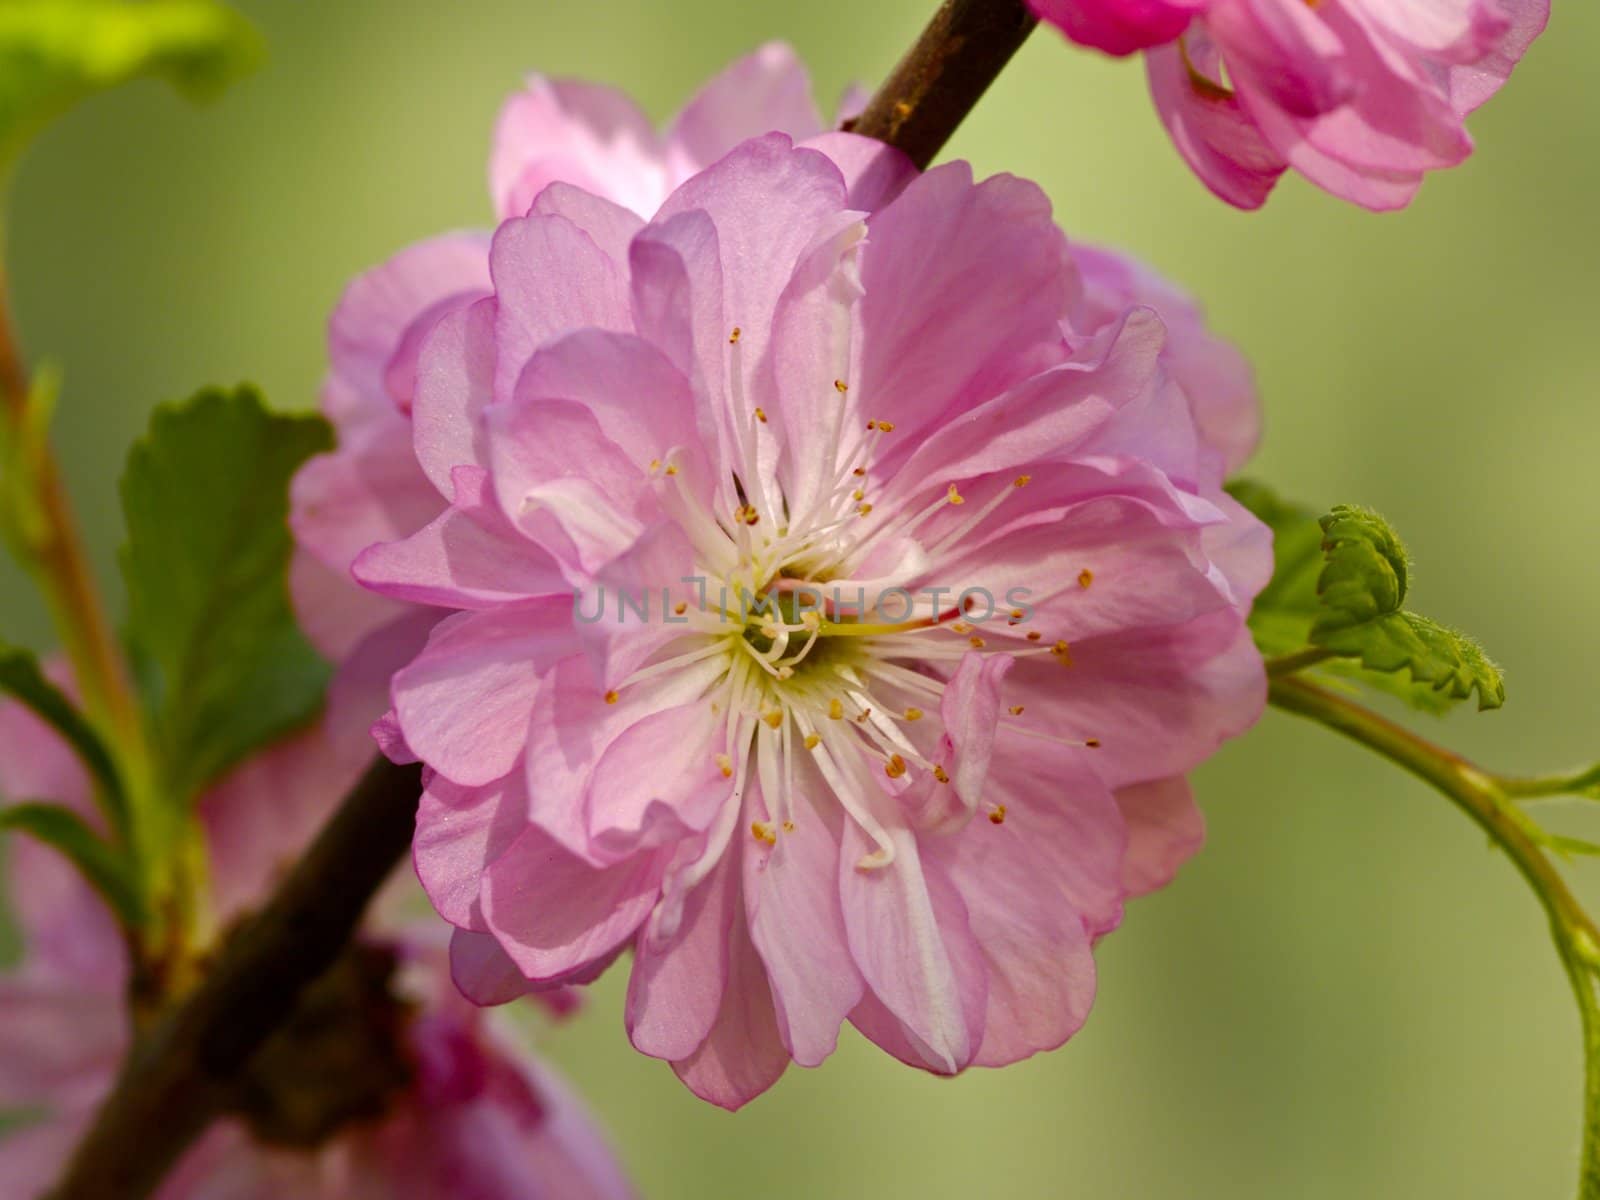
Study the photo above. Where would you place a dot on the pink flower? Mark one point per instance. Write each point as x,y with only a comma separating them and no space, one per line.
892,808
479,1116
1362,97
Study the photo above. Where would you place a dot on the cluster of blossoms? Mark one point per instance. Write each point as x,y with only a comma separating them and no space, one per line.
1362,97
749,358
446,1101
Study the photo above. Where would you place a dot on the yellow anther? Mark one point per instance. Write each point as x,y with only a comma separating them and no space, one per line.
655,465
763,831
681,607
1017,614
1021,481
960,627
836,709
998,816
913,714
746,514
954,496
611,697
858,494
1062,653
863,509
811,619
672,469
1092,743
863,716
813,740
859,471
1034,635
881,426
977,643
941,775
773,717
735,335
761,415
840,386
788,826
1015,710
725,765
895,767
1085,577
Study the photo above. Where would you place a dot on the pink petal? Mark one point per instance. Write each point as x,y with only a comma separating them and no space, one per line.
461,831
550,278
464,702
469,557
483,971
455,382
556,915
577,133
372,316
1165,830
762,92
797,922
610,225
1016,881
1214,375
986,310
874,173
1210,128
675,990
564,484
1119,26
1159,701
58,1044
743,1055
909,935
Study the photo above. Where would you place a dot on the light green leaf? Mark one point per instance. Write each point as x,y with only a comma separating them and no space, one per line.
21,677
55,52
107,871
223,667
1339,584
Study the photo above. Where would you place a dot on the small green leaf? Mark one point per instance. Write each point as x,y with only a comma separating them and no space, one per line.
21,677
223,667
55,52
107,871
1338,583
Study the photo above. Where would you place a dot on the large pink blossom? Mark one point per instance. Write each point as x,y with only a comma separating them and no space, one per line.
804,369
1363,97
480,1116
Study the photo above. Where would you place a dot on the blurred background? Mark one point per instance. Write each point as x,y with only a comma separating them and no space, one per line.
1347,994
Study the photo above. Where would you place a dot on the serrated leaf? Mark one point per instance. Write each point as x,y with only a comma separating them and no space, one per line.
55,52
1338,583
107,871
223,667
21,678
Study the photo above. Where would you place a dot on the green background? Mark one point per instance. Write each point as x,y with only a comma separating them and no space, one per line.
1347,994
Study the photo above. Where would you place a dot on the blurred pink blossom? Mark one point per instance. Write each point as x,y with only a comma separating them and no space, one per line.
479,1117
1362,97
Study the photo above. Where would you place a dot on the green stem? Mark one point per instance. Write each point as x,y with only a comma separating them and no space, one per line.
1484,798
1578,783
1288,664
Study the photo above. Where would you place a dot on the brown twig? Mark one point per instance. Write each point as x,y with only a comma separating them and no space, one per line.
943,75
180,1076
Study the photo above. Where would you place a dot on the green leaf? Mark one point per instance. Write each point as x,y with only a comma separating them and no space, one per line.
107,871
1339,583
223,667
21,677
55,52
